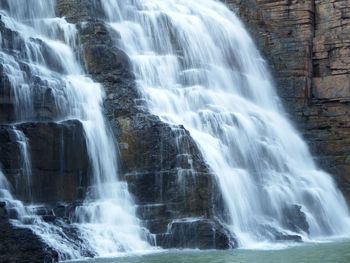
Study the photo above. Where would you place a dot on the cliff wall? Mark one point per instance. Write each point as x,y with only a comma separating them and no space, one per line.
306,44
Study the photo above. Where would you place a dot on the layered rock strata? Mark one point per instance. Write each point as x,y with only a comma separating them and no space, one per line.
306,43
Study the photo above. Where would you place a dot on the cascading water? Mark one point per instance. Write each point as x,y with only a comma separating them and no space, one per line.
6,196
26,171
197,66
46,64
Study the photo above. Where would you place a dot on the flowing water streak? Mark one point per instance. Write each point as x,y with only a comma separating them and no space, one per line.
26,170
106,221
6,196
198,67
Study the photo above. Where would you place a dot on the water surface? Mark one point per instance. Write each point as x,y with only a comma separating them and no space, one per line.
337,252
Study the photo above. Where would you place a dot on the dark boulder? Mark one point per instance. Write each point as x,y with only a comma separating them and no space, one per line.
22,245
295,219
275,235
196,233
3,211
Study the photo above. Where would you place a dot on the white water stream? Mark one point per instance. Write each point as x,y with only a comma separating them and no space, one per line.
106,221
197,66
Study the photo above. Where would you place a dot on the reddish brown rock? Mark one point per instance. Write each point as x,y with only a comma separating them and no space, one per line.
307,46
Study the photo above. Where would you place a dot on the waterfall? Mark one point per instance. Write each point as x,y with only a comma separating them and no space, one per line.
45,63
197,66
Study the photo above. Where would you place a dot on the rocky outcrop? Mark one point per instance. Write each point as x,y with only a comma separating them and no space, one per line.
295,219
195,233
307,46
21,245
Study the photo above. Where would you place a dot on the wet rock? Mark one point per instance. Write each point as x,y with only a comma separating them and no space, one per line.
49,218
21,245
16,70
196,233
13,213
99,52
79,10
60,211
59,159
72,233
276,235
109,66
295,219
3,211
105,58
42,211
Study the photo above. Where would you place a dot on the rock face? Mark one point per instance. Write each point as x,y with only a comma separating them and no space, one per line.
307,46
59,161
